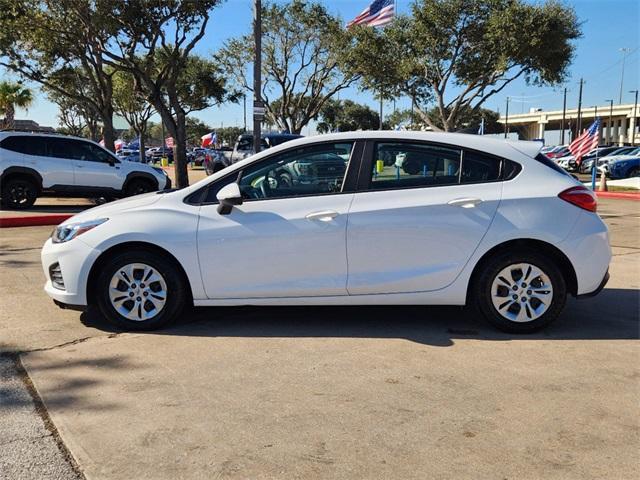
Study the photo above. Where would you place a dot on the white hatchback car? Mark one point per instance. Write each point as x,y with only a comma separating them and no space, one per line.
345,219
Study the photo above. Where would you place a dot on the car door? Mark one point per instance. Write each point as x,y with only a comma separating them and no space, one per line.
418,215
95,167
47,156
288,238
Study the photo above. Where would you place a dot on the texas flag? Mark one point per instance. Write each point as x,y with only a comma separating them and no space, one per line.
209,139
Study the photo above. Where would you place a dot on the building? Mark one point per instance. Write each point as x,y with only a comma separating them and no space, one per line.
618,123
30,126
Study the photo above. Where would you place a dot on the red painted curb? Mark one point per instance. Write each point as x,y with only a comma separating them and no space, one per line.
33,221
623,195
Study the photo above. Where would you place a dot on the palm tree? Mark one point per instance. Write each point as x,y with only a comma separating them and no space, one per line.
12,96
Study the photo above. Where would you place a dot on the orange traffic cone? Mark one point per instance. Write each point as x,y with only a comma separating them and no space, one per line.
603,182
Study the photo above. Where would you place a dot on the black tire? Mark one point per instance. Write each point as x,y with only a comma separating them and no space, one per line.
138,186
176,290
19,193
481,293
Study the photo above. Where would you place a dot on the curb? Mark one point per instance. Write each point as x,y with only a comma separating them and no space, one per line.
33,220
620,195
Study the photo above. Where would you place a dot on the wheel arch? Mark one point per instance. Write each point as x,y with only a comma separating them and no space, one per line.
126,247
17,171
538,246
140,176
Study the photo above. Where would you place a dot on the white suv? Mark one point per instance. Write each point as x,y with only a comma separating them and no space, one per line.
34,164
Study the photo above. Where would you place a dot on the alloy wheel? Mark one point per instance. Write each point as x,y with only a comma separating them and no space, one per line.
521,292
138,291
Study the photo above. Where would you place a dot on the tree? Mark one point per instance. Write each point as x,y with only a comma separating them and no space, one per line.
457,54
302,46
132,106
76,111
399,118
57,42
12,96
154,44
468,119
346,116
196,128
229,135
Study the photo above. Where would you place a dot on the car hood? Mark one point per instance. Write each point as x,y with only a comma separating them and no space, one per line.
112,208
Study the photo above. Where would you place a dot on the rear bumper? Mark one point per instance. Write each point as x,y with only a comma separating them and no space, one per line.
597,290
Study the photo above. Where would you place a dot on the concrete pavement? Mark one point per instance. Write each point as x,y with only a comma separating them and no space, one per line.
398,392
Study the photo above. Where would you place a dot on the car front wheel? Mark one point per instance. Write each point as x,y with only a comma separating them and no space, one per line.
520,292
140,290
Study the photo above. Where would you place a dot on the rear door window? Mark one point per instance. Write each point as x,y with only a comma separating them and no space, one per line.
412,165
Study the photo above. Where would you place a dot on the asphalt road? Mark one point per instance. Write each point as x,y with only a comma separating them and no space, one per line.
376,392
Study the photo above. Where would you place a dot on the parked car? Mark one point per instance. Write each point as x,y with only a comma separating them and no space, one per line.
129,155
558,152
244,145
156,153
37,165
473,227
625,168
588,160
603,163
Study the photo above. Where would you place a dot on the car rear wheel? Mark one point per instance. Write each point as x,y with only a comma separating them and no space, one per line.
520,292
19,193
140,290
634,172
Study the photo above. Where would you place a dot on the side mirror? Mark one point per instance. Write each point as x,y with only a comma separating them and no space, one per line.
228,196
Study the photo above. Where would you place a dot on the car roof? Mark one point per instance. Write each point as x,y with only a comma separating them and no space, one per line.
494,145
13,133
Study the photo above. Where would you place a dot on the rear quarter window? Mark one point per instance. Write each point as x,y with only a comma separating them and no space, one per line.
25,144
542,158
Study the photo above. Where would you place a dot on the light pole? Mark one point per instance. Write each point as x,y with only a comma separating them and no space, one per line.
258,108
610,126
506,119
634,117
564,113
579,121
625,51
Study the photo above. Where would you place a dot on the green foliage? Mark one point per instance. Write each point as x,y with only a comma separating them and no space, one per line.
346,116
477,46
302,49
12,96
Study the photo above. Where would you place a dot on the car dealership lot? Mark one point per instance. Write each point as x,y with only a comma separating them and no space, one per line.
375,392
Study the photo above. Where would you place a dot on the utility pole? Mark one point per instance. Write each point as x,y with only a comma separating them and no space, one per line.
579,120
506,119
413,104
564,113
625,51
634,117
380,125
610,126
258,108
244,97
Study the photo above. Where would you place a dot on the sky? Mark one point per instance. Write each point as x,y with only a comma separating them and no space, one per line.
608,26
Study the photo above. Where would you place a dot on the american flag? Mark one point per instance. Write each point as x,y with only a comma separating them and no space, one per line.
380,12
585,142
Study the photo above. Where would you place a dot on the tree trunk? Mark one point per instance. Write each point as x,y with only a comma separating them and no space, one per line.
141,135
10,117
180,151
108,132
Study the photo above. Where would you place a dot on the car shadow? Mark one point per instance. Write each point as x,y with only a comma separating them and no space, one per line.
612,315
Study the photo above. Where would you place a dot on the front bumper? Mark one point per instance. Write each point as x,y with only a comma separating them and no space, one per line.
168,184
75,259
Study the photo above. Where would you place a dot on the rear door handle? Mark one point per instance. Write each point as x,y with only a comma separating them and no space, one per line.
465,202
323,216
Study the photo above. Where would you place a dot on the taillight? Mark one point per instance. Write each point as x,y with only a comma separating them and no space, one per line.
580,197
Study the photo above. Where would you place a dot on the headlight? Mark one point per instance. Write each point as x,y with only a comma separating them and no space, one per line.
64,233
159,170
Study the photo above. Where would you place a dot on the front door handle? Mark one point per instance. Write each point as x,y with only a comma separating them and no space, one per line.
465,202
323,216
